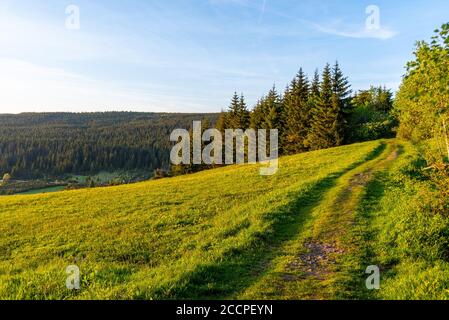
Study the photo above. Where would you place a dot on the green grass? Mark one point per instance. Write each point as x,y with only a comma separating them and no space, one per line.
326,224
163,239
231,233
402,235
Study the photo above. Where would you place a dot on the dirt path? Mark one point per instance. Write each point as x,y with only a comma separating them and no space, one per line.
310,264
319,261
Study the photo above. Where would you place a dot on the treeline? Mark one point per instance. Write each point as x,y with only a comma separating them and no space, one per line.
311,114
36,145
316,114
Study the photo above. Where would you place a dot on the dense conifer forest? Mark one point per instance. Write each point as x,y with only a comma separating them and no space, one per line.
53,144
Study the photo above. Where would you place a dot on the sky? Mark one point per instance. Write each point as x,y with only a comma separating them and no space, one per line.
191,55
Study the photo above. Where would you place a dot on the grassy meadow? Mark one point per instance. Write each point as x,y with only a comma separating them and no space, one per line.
161,239
307,232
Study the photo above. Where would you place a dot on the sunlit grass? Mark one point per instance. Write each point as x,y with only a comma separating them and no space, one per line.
162,239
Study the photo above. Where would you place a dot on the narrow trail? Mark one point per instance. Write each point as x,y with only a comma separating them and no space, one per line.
311,264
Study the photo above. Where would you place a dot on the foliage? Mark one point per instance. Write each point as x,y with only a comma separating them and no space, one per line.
422,103
372,116
327,122
297,114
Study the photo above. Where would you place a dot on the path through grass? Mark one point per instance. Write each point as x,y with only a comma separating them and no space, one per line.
322,261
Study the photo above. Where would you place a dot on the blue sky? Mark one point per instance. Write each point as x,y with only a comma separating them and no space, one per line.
190,56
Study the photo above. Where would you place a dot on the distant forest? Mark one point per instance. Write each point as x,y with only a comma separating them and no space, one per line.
36,145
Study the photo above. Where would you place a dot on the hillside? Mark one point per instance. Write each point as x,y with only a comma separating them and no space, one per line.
54,144
228,233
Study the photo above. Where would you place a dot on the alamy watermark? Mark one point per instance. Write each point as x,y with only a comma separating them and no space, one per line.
72,21
373,20
250,147
373,280
73,278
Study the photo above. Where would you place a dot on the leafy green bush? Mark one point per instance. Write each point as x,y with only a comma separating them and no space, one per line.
371,118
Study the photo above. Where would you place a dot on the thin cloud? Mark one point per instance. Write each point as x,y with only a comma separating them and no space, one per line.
338,28
382,33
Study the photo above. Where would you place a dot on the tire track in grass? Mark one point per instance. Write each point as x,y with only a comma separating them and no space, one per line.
243,267
315,263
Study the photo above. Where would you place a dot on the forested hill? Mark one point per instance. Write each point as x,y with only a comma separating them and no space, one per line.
53,144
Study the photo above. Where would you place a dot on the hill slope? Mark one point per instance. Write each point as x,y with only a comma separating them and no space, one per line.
222,233
45,144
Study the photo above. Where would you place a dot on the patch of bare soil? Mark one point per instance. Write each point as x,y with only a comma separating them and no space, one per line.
315,262
393,155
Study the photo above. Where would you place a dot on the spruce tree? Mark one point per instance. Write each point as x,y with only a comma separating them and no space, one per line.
297,114
257,117
244,114
324,125
341,102
268,112
234,112
315,86
274,109
237,116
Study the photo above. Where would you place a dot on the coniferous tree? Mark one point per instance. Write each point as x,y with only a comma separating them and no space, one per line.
297,114
244,114
312,101
233,111
341,102
274,109
268,112
324,128
315,85
257,117
238,115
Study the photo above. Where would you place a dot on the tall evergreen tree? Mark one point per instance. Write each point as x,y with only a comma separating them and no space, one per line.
274,109
268,112
257,117
341,102
233,112
324,128
244,115
238,115
315,85
297,114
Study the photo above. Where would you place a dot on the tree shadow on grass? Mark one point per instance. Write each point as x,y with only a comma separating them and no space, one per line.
242,267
